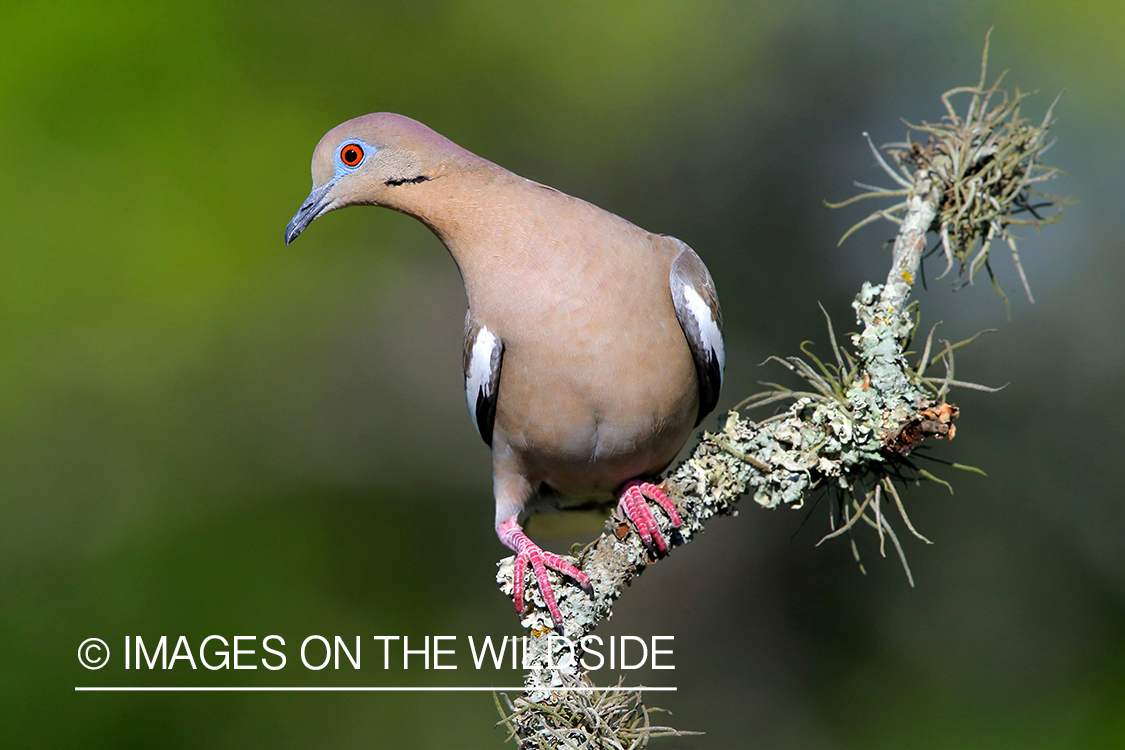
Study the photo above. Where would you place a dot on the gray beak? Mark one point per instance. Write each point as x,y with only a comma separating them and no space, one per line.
314,206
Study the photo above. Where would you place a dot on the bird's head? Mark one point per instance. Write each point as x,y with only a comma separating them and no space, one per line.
375,160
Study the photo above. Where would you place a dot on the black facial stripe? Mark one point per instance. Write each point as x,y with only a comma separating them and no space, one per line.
411,180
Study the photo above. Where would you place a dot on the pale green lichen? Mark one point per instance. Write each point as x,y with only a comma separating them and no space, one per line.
589,720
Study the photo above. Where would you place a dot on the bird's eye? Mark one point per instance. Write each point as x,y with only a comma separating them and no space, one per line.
351,154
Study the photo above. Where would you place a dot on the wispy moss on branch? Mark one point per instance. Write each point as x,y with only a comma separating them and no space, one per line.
986,163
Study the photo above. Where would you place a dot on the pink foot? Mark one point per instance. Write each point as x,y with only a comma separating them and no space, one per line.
633,503
540,559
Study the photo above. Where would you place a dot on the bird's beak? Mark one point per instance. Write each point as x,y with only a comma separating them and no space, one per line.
316,204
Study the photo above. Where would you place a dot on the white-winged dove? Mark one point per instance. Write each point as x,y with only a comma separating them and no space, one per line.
592,347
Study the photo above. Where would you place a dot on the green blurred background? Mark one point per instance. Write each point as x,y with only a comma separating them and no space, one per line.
202,431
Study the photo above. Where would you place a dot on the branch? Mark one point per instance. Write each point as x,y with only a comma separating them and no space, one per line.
864,411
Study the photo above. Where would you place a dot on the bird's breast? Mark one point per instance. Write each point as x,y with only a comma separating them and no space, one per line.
586,411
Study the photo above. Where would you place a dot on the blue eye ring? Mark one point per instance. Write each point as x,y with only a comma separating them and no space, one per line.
351,155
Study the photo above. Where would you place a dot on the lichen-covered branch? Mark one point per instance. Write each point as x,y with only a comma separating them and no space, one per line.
853,427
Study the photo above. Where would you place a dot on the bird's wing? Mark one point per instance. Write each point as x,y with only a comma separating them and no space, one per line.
697,308
484,352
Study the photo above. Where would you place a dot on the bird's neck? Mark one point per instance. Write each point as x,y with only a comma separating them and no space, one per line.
481,215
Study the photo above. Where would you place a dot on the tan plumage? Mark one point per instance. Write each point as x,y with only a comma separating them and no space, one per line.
589,341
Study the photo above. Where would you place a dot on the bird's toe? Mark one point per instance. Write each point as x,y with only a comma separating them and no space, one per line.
634,504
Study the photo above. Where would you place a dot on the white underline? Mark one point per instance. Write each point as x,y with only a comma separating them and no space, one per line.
359,689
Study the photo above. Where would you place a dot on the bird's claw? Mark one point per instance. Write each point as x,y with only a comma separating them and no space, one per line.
529,553
633,504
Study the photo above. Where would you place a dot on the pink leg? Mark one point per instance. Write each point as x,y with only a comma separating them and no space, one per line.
540,559
633,503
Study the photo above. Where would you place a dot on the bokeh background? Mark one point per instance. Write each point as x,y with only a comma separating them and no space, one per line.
202,431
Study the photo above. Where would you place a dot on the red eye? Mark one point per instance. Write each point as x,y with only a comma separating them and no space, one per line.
351,154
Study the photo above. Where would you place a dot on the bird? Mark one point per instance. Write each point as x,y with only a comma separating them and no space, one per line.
593,348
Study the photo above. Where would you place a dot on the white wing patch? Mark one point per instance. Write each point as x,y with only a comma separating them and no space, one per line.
708,326
701,318
480,373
